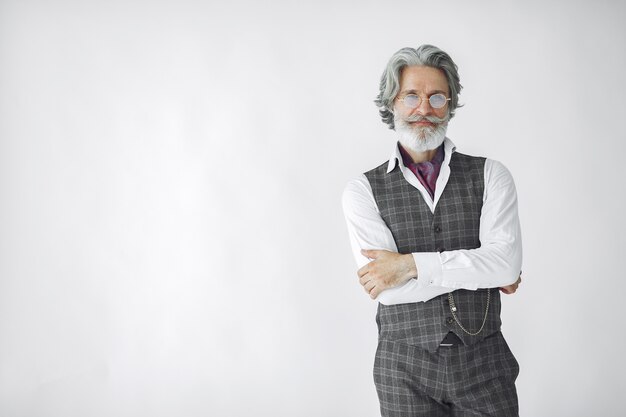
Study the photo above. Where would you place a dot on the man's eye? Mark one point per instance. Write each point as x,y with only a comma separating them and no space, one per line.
411,100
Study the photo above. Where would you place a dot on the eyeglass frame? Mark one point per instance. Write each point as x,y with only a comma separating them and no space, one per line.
420,100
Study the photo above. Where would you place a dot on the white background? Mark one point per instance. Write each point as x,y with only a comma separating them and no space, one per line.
171,234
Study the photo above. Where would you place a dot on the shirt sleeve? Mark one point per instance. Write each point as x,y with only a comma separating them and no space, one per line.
368,230
497,262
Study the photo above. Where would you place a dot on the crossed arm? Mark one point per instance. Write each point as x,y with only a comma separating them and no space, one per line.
391,269
386,275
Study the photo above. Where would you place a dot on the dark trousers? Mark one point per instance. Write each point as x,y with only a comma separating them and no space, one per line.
476,380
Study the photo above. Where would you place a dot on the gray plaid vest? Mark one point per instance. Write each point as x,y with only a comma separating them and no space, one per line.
454,225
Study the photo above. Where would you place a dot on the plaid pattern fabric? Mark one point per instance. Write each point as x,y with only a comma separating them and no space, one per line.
454,225
414,376
477,380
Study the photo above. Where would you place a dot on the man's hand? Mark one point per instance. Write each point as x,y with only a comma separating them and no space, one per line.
386,270
510,289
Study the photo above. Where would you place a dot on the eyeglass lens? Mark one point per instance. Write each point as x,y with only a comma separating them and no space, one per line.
437,101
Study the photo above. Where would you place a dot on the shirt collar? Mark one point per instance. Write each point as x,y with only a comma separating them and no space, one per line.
396,156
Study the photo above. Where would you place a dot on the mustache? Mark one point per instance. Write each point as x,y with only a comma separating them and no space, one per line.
432,119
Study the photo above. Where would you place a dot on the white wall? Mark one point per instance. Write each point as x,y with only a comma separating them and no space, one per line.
171,235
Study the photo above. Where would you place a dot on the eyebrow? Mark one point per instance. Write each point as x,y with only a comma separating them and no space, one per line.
428,94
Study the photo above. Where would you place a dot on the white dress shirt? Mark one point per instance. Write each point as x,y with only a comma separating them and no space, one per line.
496,263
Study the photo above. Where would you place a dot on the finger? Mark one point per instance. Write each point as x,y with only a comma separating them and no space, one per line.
374,293
369,285
510,289
378,288
363,270
370,253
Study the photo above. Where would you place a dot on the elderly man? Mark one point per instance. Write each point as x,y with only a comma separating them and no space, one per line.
436,236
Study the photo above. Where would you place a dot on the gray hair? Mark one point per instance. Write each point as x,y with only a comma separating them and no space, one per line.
426,55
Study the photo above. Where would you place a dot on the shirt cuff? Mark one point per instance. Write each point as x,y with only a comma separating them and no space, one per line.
429,269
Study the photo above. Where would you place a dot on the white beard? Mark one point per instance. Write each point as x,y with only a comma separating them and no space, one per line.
421,138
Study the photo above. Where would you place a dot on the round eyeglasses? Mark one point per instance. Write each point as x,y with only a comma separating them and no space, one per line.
437,101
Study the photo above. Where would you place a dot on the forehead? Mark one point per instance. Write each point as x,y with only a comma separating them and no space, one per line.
423,79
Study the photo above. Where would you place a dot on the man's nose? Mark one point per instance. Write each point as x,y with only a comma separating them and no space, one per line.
424,107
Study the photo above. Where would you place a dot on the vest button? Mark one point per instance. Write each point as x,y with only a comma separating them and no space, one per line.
449,320
437,229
